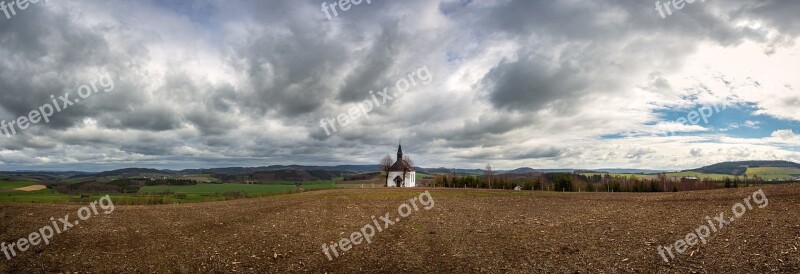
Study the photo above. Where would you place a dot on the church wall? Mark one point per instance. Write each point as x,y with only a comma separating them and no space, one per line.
410,180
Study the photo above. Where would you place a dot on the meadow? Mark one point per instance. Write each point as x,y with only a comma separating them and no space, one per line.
162,194
766,173
10,185
773,173
39,196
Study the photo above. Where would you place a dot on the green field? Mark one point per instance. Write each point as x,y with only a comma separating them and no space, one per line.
673,175
766,173
39,196
15,184
214,192
773,173
149,195
679,175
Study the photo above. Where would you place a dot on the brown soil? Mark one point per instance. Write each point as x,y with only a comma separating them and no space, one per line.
467,231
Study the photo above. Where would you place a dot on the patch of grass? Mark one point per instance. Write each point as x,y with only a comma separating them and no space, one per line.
679,175
39,196
215,192
156,195
4,185
773,173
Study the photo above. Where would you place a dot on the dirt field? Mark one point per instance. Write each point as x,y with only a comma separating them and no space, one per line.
466,231
31,188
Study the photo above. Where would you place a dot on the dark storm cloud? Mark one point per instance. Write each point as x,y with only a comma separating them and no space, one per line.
537,153
370,73
150,117
289,72
531,83
209,122
54,56
779,14
45,50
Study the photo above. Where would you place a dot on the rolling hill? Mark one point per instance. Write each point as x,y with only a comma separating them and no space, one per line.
741,168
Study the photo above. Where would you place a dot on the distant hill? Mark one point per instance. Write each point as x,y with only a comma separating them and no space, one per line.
292,175
458,171
133,172
739,168
247,170
631,171
38,176
522,170
764,169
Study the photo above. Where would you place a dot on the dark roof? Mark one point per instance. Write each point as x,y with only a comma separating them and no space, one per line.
400,165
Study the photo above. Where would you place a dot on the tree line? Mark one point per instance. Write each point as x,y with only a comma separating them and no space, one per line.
570,182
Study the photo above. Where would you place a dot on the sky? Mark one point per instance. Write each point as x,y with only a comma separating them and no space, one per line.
511,83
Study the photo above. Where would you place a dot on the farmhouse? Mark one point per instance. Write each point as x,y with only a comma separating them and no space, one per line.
401,174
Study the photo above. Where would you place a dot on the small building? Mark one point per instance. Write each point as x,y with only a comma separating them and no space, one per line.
401,174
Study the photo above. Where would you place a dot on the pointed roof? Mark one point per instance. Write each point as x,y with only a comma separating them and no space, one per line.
399,151
400,164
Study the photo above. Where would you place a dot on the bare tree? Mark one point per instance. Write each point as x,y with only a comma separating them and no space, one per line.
488,173
384,166
409,161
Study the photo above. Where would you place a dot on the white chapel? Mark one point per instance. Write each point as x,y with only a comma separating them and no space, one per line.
401,174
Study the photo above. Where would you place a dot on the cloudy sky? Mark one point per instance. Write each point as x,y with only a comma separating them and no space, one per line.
542,84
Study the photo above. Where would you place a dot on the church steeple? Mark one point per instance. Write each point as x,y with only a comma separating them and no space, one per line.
399,152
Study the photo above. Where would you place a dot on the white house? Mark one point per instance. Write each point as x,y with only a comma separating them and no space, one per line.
401,174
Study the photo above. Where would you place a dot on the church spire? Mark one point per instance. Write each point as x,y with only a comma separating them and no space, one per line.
399,151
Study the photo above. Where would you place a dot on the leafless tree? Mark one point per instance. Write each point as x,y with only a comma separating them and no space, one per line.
488,173
409,161
384,165
662,177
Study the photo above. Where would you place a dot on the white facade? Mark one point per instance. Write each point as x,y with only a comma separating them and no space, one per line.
410,179
401,173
